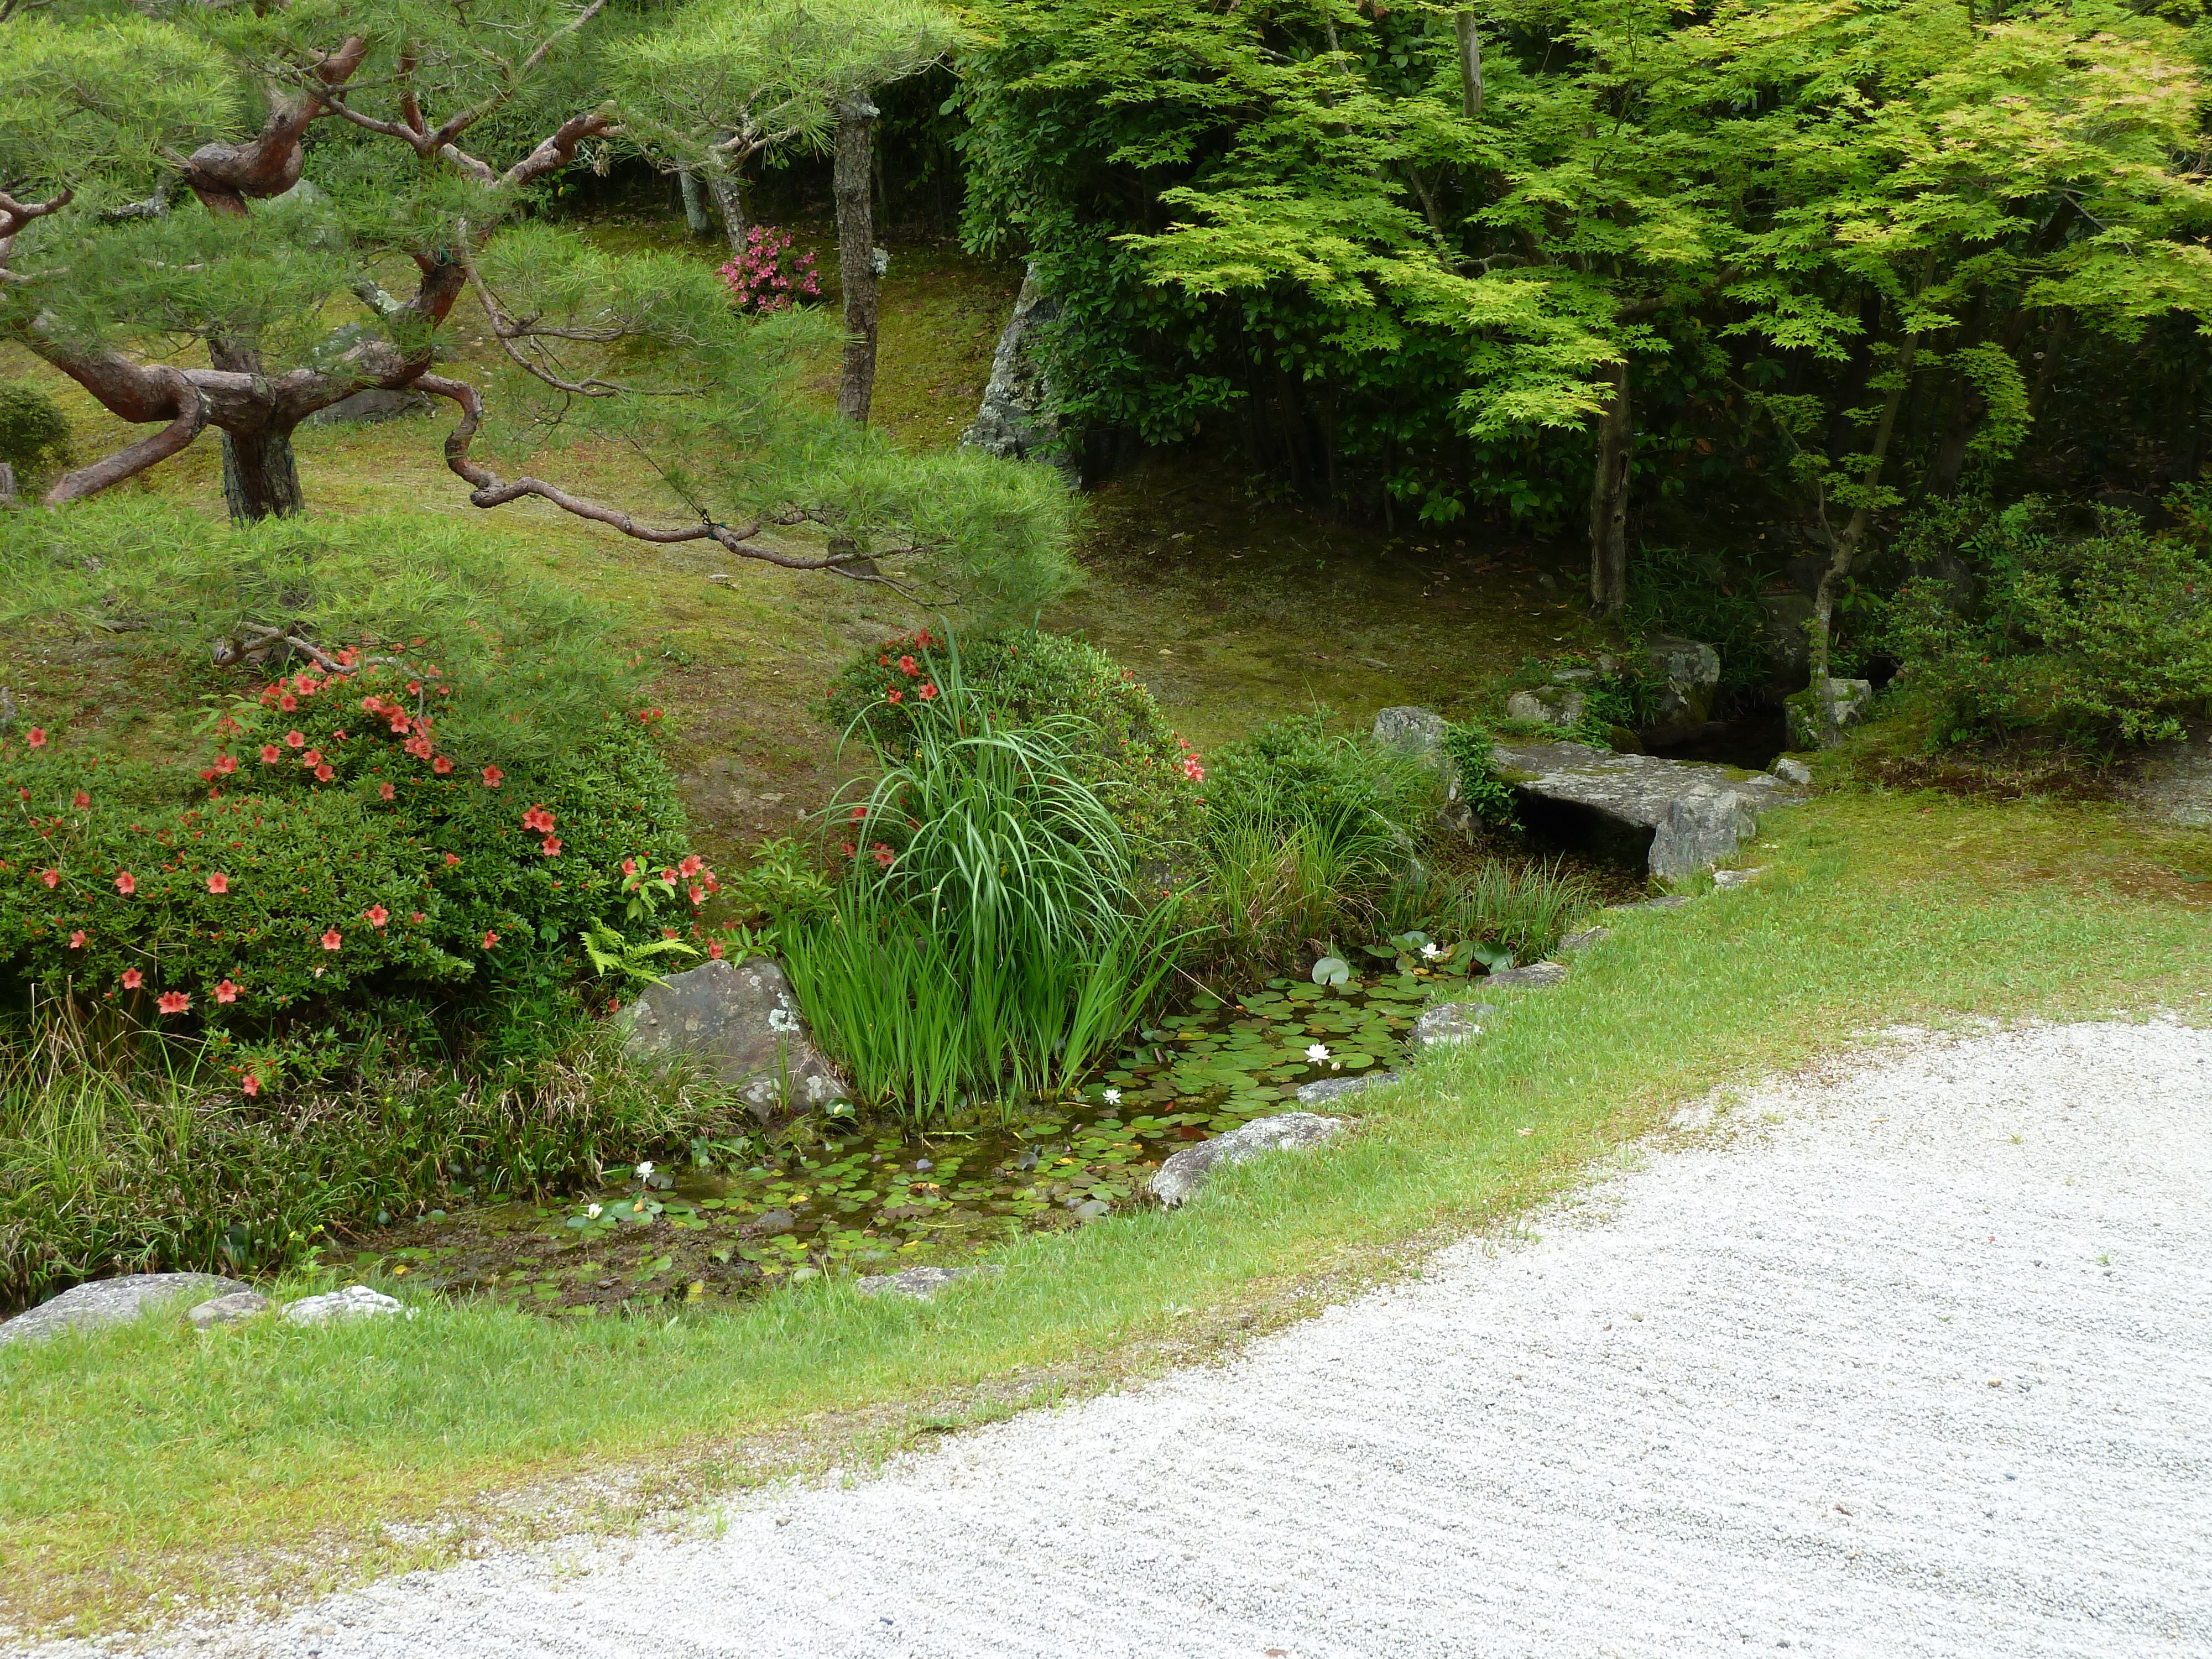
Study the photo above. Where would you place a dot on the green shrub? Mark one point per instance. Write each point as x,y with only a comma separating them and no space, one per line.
105,1169
34,433
2099,640
1024,678
1473,750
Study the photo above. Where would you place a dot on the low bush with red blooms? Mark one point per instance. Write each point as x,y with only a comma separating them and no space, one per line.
1152,777
335,856
768,276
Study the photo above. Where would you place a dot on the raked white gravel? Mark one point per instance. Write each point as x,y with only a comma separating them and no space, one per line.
1911,1358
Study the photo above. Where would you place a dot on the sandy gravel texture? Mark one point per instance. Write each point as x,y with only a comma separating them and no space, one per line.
1910,1359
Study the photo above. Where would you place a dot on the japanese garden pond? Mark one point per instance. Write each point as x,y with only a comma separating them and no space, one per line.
829,1196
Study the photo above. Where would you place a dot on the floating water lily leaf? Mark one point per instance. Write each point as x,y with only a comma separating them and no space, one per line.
1354,1062
1331,970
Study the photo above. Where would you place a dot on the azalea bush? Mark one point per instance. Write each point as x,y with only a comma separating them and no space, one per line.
335,857
768,276
1151,778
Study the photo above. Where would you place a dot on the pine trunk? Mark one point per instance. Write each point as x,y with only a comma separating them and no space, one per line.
852,183
260,478
694,203
730,197
1608,515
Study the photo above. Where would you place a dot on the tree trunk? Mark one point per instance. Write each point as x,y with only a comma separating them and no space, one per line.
695,202
857,271
260,478
1470,65
1609,513
7,483
1846,548
730,197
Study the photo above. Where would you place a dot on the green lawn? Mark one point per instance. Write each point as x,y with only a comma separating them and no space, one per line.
155,1463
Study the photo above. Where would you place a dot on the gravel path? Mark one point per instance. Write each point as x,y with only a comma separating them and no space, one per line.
1919,1364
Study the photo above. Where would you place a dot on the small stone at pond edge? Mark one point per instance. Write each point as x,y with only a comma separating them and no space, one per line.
1449,1022
920,1282
1793,771
1583,940
111,1302
1534,975
355,1302
776,1221
1336,1088
227,1309
1188,1170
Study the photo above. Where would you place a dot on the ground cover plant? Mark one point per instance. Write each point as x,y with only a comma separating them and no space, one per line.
1875,910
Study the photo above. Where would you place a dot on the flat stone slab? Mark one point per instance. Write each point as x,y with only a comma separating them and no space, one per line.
1695,815
1448,1022
1583,940
920,1284
1724,879
1191,1169
741,1023
1336,1088
114,1302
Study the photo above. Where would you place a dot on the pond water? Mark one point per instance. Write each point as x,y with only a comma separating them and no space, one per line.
834,1197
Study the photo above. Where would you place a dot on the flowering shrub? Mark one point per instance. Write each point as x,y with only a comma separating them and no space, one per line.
339,856
768,276
1149,774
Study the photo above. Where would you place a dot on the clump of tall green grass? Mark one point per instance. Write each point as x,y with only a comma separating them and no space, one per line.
988,940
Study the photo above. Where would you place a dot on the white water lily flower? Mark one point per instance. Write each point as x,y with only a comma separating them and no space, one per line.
1318,1053
644,1170
1431,951
591,1213
1111,1097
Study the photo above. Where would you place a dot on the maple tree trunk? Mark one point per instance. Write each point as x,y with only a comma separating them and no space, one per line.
853,187
1608,515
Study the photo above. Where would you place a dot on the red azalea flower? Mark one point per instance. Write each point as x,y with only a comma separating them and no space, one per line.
668,875
287,702
399,721
331,940
226,992
172,1002
132,979
883,854
38,737
271,754
451,858
668,932
715,950
251,1083
929,692
417,746
492,776
383,792
313,757
698,896
378,915
847,849
324,774
550,847
629,867
296,739
76,939
51,877
894,694
860,812
415,916
80,801
538,818
490,938
692,865
226,764
372,705
442,766
908,668
218,883
126,884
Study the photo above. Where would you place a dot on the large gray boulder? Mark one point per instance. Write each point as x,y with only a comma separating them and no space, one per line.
1547,705
1680,817
115,1302
1016,421
1189,1169
1688,674
741,1023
